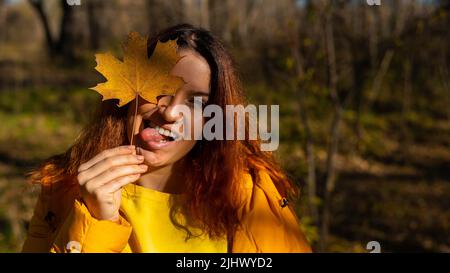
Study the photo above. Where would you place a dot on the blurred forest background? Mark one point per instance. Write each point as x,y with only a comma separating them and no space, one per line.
363,93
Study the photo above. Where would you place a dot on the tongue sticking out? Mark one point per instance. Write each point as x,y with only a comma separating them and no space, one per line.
151,134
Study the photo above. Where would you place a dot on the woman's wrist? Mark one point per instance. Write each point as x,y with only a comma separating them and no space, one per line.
115,218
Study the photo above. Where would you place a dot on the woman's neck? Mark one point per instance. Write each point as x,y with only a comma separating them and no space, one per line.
165,179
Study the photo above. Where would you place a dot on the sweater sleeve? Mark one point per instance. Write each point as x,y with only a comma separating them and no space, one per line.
267,225
39,236
61,223
83,233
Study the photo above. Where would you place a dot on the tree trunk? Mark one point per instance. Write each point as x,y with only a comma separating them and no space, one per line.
63,45
379,77
406,106
310,159
2,19
303,114
94,28
309,145
50,41
330,180
443,71
66,42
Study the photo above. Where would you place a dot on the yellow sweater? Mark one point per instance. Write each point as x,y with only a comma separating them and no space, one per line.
148,211
61,223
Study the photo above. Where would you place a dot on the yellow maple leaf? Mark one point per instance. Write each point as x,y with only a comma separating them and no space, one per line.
138,75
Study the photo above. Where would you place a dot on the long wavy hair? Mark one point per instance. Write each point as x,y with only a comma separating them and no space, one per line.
217,167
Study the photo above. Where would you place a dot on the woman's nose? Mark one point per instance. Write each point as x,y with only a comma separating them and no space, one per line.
166,106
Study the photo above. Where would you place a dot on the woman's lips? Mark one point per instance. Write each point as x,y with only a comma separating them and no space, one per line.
150,134
153,139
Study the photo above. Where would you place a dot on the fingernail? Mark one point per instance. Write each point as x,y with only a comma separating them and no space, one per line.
131,147
140,157
143,167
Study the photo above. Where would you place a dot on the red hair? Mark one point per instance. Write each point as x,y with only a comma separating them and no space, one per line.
212,185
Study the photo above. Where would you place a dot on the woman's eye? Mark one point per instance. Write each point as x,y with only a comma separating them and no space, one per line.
158,98
196,102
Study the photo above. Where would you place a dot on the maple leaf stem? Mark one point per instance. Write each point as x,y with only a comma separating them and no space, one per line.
134,119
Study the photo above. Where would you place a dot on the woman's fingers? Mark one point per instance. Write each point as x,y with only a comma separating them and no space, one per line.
109,163
114,167
118,183
112,174
121,150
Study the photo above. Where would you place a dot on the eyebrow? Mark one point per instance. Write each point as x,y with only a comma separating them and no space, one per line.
199,93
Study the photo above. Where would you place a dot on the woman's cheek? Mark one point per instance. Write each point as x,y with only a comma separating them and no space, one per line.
177,151
196,126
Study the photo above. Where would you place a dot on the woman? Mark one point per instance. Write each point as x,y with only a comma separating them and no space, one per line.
161,195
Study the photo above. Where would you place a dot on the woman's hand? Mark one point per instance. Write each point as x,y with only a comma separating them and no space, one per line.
102,178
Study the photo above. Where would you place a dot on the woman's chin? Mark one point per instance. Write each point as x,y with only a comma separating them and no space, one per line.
152,158
162,154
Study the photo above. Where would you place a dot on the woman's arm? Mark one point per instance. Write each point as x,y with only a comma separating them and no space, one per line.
64,223
266,225
61,223
39,237
81,232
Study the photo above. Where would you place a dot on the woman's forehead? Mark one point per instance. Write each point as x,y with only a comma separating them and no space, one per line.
194,69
